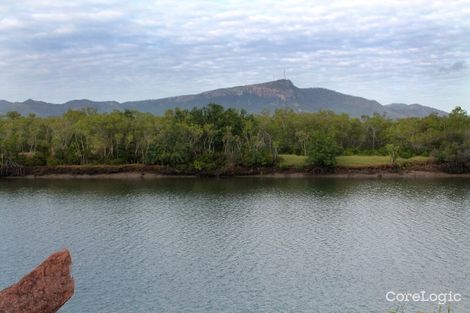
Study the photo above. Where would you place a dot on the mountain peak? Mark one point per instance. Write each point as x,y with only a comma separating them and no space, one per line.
279,84
33,102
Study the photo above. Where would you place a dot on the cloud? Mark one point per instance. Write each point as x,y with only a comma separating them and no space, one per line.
58,50
456,67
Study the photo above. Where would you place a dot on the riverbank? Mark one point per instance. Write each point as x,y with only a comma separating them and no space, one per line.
139,171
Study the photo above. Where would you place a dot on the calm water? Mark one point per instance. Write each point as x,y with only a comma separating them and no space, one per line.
242,245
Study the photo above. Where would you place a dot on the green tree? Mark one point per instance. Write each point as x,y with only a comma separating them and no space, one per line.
322,150
392,151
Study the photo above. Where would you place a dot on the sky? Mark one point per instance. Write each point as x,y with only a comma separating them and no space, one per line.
392,51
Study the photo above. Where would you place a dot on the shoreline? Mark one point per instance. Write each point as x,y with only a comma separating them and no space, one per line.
138,171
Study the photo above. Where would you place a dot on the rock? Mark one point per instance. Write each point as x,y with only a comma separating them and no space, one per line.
44,290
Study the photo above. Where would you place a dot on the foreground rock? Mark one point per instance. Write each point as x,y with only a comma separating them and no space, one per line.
44,290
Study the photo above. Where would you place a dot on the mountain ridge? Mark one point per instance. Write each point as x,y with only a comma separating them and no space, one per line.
253,98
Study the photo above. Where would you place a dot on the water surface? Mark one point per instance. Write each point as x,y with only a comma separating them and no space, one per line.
242,244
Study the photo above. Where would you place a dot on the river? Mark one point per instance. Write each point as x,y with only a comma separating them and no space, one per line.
242,244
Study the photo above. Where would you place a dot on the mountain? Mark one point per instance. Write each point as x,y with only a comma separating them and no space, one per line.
31,106
253,98
400,109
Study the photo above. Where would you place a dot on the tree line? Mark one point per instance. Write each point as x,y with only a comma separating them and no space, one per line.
212,137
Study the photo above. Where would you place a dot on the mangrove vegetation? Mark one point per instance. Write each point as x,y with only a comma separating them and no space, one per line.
213,138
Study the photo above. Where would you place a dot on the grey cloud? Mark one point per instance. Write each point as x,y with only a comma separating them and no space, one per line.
456,67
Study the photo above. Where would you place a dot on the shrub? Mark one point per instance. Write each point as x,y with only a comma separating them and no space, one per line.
322,150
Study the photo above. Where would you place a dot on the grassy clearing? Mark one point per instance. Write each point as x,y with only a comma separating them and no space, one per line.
362,160
375,160
299,161
292,160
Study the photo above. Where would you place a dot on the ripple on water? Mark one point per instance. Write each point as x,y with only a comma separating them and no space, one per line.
241,245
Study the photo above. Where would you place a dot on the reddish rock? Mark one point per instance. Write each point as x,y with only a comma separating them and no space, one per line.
44,290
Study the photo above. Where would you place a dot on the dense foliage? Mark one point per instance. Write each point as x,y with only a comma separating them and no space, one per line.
322,150
212,137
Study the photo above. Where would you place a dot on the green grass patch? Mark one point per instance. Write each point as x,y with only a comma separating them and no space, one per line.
299,161
375,160
362,160
416,159
292,160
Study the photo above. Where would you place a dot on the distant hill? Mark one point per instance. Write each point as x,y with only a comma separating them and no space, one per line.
253,98
418,110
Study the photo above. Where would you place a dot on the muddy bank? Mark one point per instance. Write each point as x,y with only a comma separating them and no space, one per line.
139,171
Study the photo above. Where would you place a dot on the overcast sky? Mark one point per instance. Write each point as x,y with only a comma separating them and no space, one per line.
391,51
